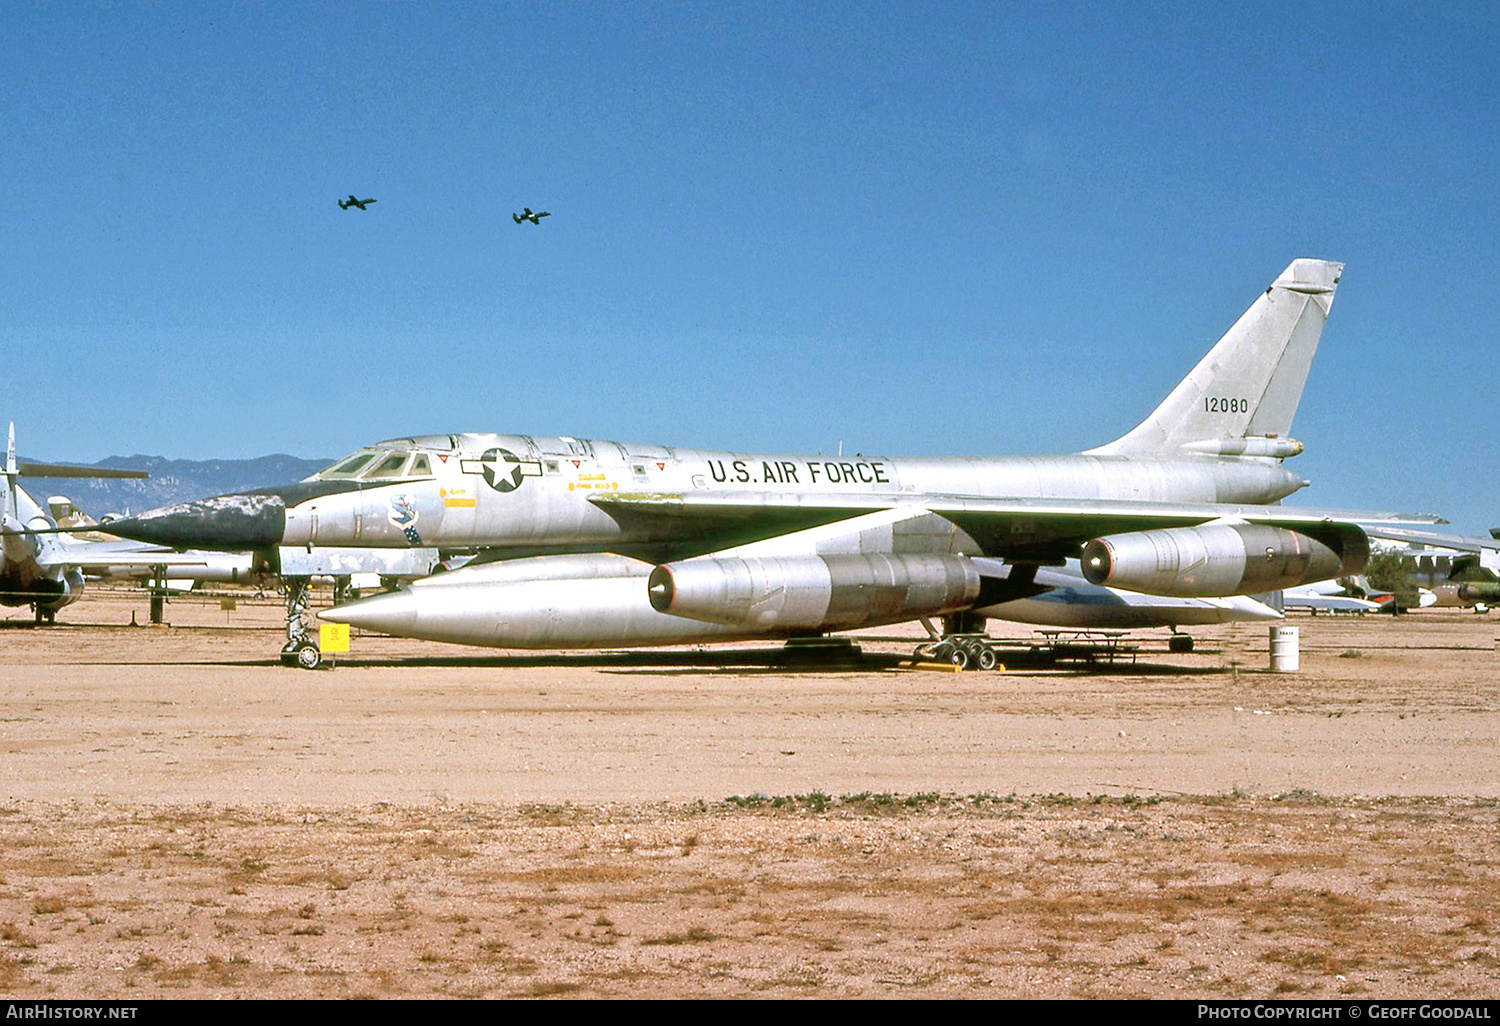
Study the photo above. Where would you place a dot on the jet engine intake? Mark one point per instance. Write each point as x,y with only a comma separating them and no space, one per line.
832,592
1217,560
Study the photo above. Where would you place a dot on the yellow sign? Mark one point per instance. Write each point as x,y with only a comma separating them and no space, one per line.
333,637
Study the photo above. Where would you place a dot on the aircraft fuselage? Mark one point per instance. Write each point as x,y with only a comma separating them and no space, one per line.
534,494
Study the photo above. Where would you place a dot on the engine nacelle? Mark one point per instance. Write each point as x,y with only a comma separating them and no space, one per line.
834,592
1217,560
70,587
48,593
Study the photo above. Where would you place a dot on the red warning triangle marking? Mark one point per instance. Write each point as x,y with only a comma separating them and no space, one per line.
661,466
442,457
576,463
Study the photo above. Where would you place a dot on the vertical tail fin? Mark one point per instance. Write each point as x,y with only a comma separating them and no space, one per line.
8,499
1249,384
14,547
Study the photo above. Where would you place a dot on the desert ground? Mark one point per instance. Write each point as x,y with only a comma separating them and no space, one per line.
181,816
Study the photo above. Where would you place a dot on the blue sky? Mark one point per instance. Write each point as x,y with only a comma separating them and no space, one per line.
919,229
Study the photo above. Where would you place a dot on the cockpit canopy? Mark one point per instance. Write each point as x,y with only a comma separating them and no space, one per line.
382,464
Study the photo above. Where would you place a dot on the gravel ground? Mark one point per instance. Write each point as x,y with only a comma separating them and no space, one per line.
182,816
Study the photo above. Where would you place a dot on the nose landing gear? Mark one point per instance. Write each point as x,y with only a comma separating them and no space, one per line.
301,648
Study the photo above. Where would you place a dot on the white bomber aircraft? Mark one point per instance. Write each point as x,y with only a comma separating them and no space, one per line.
600,544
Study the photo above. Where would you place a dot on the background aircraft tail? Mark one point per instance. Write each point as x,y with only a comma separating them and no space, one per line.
1241,397
10,503
8,495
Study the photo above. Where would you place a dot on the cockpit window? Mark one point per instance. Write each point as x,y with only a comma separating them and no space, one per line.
389,467
379,465
348,467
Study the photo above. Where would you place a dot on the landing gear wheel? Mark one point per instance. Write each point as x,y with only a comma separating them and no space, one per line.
960,658
986,660
1180,643
943,653
298,637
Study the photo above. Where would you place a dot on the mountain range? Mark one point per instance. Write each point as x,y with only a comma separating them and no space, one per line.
170,481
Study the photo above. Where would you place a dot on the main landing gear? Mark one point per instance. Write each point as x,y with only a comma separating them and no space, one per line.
963,644
301,648
965,651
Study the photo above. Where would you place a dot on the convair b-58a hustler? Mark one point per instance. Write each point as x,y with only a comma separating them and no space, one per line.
585,544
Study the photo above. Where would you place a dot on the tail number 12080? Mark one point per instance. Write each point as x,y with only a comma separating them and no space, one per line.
1219,404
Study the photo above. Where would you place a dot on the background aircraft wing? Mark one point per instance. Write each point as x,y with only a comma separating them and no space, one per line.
106,554
1457,542
68,470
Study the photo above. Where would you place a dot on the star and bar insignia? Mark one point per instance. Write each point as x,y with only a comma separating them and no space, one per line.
502,469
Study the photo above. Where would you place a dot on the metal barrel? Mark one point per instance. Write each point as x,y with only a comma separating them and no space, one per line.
1285,657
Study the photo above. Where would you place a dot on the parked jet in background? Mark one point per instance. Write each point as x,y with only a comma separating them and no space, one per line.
45,570
352,202
1328,597
591,543
1485,550
1459,570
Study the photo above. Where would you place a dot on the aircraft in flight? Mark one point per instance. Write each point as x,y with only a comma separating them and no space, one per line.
587,544
352,202
527,215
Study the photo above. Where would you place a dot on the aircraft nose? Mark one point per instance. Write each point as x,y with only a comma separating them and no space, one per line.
232,523
391,612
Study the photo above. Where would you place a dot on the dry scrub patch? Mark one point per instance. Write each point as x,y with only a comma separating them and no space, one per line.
816,895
